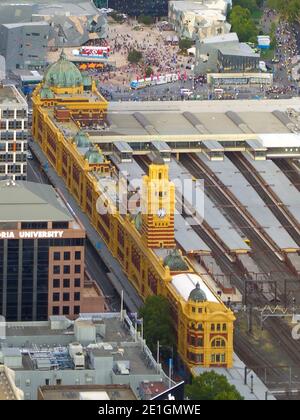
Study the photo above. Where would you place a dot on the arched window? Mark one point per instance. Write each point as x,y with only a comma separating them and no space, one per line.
218,343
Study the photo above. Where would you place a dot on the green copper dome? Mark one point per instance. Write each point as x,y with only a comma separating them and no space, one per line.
63,74
81,139
46,93
175,261
93,156
197,295
138,221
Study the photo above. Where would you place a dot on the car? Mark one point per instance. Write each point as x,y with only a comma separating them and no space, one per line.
29,155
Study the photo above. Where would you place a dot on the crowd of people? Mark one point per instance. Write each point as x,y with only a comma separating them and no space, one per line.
156,54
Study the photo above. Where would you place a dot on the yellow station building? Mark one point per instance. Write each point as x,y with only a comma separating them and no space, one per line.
66,105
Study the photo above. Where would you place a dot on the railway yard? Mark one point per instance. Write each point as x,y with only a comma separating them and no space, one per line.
242,231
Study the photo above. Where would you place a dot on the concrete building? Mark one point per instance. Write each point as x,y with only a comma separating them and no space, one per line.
24,45
42,252
13,133
199,19
78,357
225,54
8,389
32,27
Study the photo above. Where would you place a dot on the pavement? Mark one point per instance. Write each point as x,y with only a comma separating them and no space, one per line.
253,390
45,173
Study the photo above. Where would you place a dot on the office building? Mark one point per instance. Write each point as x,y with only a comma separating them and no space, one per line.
225,54
28,30
41,254
13,133
139,7
98,356
197,20
24,45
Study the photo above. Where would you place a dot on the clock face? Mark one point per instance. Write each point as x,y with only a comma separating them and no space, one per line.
161,213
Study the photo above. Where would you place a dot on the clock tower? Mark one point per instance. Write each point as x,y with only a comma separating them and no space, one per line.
158,206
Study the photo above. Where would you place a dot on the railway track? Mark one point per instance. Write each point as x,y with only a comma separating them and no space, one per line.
280,213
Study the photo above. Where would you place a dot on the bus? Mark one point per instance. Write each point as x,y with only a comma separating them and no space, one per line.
154,81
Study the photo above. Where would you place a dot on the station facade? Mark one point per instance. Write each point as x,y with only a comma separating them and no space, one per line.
202,323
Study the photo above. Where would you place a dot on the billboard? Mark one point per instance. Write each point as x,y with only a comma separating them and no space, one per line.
92,52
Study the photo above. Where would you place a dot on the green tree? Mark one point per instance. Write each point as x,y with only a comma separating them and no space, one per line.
134,56
185,44
210,386
243,24
158,325
149,71
289,10
251,5
146,20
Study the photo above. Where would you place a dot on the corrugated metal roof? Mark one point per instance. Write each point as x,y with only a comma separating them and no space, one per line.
279,183
231,177
29,201
185,283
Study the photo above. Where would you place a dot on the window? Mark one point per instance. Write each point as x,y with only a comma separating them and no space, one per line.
67,269
56,283
218,342
56,269
56,256
212,327
60,225
66,297
66,310
66,283
77,255
76,310
58,381
77,283
77,269
47,382
67,256
193,309
224,327
218,327
55,310
77,296
55,297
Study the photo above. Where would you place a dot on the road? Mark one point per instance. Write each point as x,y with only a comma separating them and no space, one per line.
97,268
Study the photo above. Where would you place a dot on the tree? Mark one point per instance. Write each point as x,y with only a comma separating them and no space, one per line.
134,56
146,20
158,325
210,386
243,24
149,71
185,44
251,5
289,10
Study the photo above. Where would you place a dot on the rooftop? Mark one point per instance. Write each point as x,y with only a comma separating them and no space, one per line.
186,283
236,48
9,95
168,118
86,392
8,390
47,345
29,202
